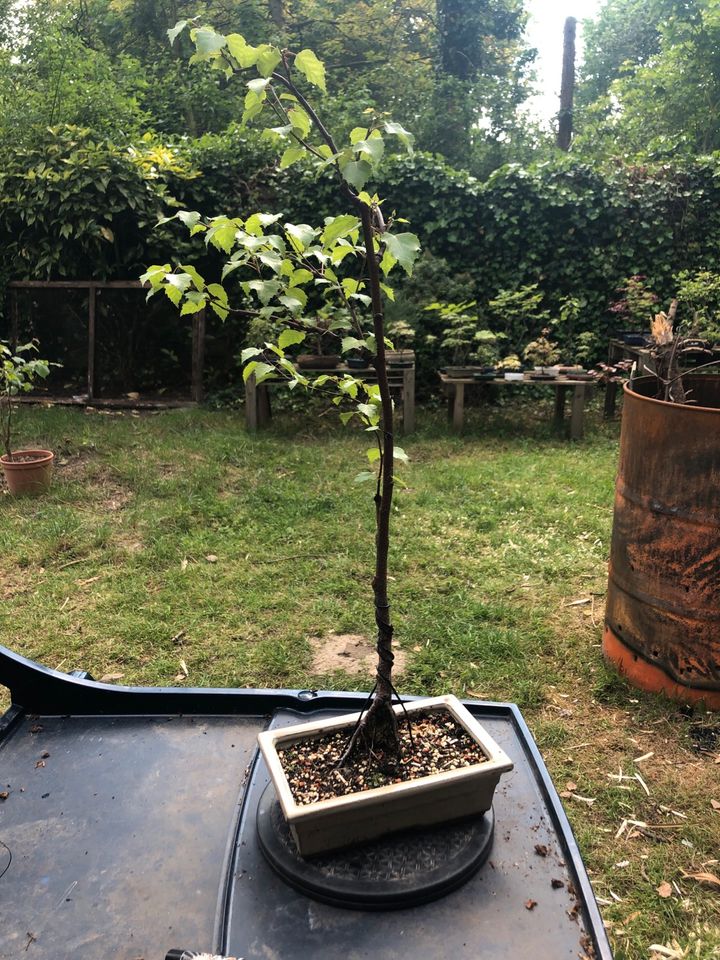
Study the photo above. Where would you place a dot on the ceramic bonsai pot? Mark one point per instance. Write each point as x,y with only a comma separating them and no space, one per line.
344,821
28,472
312,361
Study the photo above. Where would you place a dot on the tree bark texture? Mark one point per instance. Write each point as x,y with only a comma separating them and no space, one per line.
567,86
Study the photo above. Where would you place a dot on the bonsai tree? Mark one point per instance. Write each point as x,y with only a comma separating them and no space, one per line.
635,304
511,363
514,311
542,352
462,343
698,295
18,371
281,270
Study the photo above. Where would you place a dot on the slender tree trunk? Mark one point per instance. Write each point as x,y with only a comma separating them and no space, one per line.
567,87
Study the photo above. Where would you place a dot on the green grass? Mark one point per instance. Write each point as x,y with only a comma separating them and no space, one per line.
495,534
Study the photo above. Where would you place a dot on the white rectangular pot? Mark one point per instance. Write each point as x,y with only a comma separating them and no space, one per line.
344,821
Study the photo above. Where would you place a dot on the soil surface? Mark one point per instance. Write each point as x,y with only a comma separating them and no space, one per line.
435,743
351,652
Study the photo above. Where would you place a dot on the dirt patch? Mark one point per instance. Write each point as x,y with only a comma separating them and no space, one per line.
351,653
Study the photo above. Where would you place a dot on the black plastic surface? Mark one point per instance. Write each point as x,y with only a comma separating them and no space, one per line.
136,834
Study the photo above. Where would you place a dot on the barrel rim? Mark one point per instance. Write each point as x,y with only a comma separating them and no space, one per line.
629,392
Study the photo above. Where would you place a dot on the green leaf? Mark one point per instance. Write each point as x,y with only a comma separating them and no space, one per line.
194,275
301,122
289,337
292,155
249,353
373,454
399,454
268,57
351,343
364,476
337,227
261,370
357,172
222,235
208,43
300,276
372,148
300,234
404,247
175,31
188,217
241,50
265,289
257,85
404,135
190,307
357,134
313,69
388,291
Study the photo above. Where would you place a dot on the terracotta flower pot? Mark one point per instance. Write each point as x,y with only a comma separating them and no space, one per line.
28,471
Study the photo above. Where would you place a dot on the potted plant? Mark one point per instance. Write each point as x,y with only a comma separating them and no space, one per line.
469,350
661,627
511,367
544,354
26,471
402,335
321,328
279,264
514,311
633,309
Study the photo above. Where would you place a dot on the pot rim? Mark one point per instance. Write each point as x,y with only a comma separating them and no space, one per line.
44,457
669,403
497,761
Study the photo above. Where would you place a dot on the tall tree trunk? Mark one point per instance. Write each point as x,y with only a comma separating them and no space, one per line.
567,86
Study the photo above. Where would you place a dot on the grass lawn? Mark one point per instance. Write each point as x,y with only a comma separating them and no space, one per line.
175,549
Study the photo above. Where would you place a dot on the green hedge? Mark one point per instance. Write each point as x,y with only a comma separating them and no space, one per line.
74,206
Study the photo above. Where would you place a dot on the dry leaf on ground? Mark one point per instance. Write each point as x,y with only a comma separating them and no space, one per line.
665,890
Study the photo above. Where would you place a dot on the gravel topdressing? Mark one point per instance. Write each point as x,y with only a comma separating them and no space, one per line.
440,744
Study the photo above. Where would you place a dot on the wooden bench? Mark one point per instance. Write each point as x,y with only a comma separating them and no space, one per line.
455,388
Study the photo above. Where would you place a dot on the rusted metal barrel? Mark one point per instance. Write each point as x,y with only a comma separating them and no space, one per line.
662,626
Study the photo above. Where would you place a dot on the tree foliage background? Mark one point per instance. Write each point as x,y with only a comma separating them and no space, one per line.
104,127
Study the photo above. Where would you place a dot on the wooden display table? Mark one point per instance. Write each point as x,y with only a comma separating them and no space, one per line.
401,380
455,388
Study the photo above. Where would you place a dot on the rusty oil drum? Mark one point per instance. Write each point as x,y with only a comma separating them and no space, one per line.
662,626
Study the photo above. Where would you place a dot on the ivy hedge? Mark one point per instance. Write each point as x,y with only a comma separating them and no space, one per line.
75,206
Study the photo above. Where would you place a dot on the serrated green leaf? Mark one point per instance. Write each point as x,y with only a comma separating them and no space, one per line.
346,417
289,337
218,291
245,54
249,353
188,217
300,234
173,294
262,371
338,227
197,280
258,85
291,155
191,307
300,276
219,309
404,135
268,57
351,343
373,148
208,43
313,69
301,122
222,235
357,134
404,247
373,454
356,172
265,289
175,31
399,454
